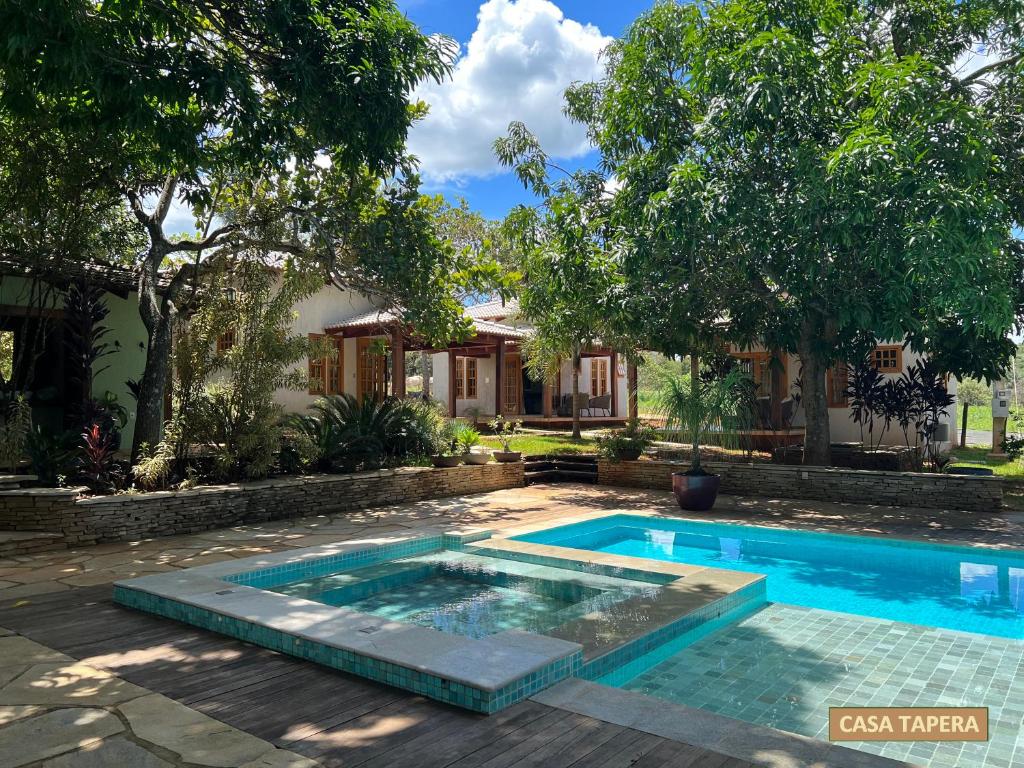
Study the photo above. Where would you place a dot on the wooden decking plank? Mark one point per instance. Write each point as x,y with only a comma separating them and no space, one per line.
388,722
523,747
624,751
505,741
459,737
307,722
563,751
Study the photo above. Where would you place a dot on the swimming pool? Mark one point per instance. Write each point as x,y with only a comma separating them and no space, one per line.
959,588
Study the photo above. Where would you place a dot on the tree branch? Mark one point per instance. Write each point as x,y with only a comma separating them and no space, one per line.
163,203
981,72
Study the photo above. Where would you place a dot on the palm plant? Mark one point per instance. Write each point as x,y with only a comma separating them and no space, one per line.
693,406
343,431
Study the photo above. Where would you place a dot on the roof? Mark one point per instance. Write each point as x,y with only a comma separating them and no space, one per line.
379,317
368,319
493,310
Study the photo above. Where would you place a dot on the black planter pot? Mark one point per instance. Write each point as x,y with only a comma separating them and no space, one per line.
628,454
695,493
442,462
506,457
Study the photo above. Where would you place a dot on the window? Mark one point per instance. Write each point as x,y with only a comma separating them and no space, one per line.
336,369
470,387
758,365
836,381
460,378
888,359
226,341
317,369
512,392
598,376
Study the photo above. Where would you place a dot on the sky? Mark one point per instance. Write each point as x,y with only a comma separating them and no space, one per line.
516,58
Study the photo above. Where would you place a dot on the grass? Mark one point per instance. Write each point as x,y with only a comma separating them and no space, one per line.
978,417
534,444
977,456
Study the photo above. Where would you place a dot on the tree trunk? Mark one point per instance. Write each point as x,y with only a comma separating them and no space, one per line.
576,434
425,367
694,380
817,440
963,426
157,315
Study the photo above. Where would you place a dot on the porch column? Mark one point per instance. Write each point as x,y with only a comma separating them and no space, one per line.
451,383
614,374
631,379
546,404
499,377
397,363
778,384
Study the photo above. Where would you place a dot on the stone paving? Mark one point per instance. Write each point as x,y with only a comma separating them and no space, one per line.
56,712
59,713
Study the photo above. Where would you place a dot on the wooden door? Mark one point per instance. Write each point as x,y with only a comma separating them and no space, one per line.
371,370
512,394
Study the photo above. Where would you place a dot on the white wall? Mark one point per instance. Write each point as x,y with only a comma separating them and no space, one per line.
842,427
326,307
485,384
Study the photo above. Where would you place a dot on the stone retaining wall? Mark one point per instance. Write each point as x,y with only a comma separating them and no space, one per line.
900,489
115,518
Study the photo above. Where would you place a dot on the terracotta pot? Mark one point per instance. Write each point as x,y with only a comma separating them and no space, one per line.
476,458
695,493
445,461
507,458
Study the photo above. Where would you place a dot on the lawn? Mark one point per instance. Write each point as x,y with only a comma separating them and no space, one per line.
534,444
977,456
978,417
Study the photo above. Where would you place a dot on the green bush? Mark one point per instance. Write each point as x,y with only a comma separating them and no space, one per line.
345,433
636,436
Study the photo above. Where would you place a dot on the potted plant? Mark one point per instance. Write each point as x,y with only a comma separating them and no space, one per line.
447,452
629,443
692,406
468,438
505,430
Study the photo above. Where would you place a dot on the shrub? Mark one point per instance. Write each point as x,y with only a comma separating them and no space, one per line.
636,436
345,433
466,436
52,455
99,467
505,429
14,432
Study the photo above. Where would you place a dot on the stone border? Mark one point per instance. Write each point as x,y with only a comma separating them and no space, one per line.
853,486
757,744
125,517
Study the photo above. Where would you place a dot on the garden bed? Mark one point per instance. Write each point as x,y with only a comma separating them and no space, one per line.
856,456
899,489
87,520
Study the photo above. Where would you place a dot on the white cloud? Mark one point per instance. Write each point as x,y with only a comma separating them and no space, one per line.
516,66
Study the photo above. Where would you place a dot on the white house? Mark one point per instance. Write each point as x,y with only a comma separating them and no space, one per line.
372,343
782,415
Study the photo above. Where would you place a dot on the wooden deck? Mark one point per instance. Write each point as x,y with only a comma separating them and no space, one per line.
335,718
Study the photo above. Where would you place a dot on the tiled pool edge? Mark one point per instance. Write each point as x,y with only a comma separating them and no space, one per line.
201,597
471,697
723,610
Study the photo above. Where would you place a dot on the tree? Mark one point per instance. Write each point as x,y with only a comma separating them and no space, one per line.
194,91
568,275
970,392
821,167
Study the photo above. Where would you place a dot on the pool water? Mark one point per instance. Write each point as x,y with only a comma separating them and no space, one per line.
464,594
959,588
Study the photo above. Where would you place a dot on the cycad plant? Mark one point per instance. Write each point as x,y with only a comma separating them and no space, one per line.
693,405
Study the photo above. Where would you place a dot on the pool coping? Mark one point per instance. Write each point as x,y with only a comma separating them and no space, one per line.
894,539
759,744
484,675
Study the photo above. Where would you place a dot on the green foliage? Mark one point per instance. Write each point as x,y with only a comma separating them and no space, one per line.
973,392
344,433
52,455
236,416
505,429
803,175
569,276
155,466
208,85
466,436
635,437
14,432
693,406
